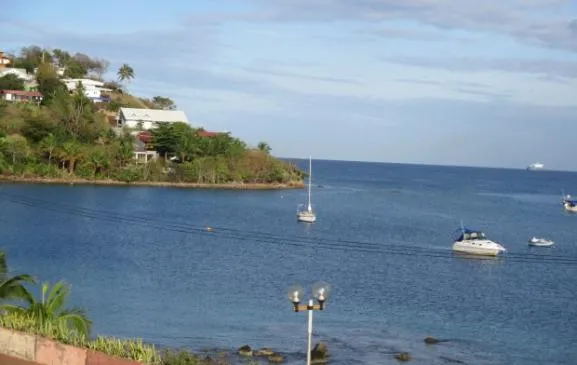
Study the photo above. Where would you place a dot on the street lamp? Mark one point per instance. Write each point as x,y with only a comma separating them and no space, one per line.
321,291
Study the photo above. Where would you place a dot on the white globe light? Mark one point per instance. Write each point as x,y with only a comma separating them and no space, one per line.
321,290
295,293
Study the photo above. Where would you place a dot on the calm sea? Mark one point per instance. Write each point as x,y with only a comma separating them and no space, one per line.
141,261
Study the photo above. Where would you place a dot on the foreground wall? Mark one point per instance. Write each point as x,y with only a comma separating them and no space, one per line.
48,352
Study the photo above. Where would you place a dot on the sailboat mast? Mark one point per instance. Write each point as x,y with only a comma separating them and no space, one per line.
310,180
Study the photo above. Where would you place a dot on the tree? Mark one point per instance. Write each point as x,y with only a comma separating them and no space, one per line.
97,159
73,111
50,310
49,83
264,147
11,82
48,145
16,147
163,103
11,287
125,73
164,139
75,69
114,86
71,152
61,56
36,55
36,127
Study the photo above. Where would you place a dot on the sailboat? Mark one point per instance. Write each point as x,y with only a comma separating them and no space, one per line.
306,213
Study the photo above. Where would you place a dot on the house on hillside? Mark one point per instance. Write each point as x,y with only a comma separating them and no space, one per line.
203,133
29,80
147,119
19,96
4,61
92,89
142,154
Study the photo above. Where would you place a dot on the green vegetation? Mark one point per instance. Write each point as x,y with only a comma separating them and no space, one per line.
49,311
11,82
48,317
12,287
68,137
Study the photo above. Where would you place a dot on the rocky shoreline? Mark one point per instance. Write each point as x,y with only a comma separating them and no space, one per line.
164,184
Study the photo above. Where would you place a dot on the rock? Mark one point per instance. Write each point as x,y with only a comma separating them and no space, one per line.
431,340
245,351
320,350
320,353
265,351
276,358
403,356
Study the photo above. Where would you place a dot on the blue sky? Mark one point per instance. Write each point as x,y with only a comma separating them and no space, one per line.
457,82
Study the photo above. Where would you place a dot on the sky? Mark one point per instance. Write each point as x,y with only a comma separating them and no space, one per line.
451,82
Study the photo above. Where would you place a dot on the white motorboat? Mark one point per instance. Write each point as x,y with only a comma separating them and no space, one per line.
541,242
535,166
475,242
306,213
569,204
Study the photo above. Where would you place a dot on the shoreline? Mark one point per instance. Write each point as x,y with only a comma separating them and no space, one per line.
159,184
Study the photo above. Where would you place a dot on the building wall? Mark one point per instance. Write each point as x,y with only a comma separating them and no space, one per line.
92,89
135,124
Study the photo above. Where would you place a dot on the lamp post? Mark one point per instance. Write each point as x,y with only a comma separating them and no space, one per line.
321,292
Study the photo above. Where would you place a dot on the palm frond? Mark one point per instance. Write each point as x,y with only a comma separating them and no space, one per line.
57,297
13,288
3,265
76,319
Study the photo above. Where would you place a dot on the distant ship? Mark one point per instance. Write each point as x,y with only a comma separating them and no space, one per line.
535,166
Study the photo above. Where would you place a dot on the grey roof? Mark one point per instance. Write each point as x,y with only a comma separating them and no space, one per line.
153,115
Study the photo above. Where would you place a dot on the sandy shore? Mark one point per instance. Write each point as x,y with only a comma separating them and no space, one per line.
230,186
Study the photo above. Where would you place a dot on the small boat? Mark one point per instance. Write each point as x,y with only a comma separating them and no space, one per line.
541,242
569,204
535,166
306,213
474,242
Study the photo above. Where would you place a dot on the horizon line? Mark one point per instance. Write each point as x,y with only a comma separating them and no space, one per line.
426,164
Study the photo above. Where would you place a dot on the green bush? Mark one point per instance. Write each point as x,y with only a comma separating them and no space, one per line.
124,348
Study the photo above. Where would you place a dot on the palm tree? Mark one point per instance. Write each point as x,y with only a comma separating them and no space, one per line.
125,72
71,152
50,310
98,159
48,144
11,287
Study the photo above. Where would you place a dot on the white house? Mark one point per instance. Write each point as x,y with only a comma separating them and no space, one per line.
92,89
147,118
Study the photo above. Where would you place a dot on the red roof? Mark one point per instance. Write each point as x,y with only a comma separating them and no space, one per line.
208,134
21,93
144,137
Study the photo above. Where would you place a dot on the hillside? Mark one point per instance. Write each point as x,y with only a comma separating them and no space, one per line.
69,136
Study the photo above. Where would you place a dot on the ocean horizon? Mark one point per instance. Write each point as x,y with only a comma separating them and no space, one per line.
427,164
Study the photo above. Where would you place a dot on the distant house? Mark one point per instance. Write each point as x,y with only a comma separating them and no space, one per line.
29,80
147,119
141,153
20,96
4,61
92,89
203,133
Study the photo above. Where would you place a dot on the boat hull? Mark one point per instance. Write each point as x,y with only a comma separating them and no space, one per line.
306,218
547,244
479,249
570,208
